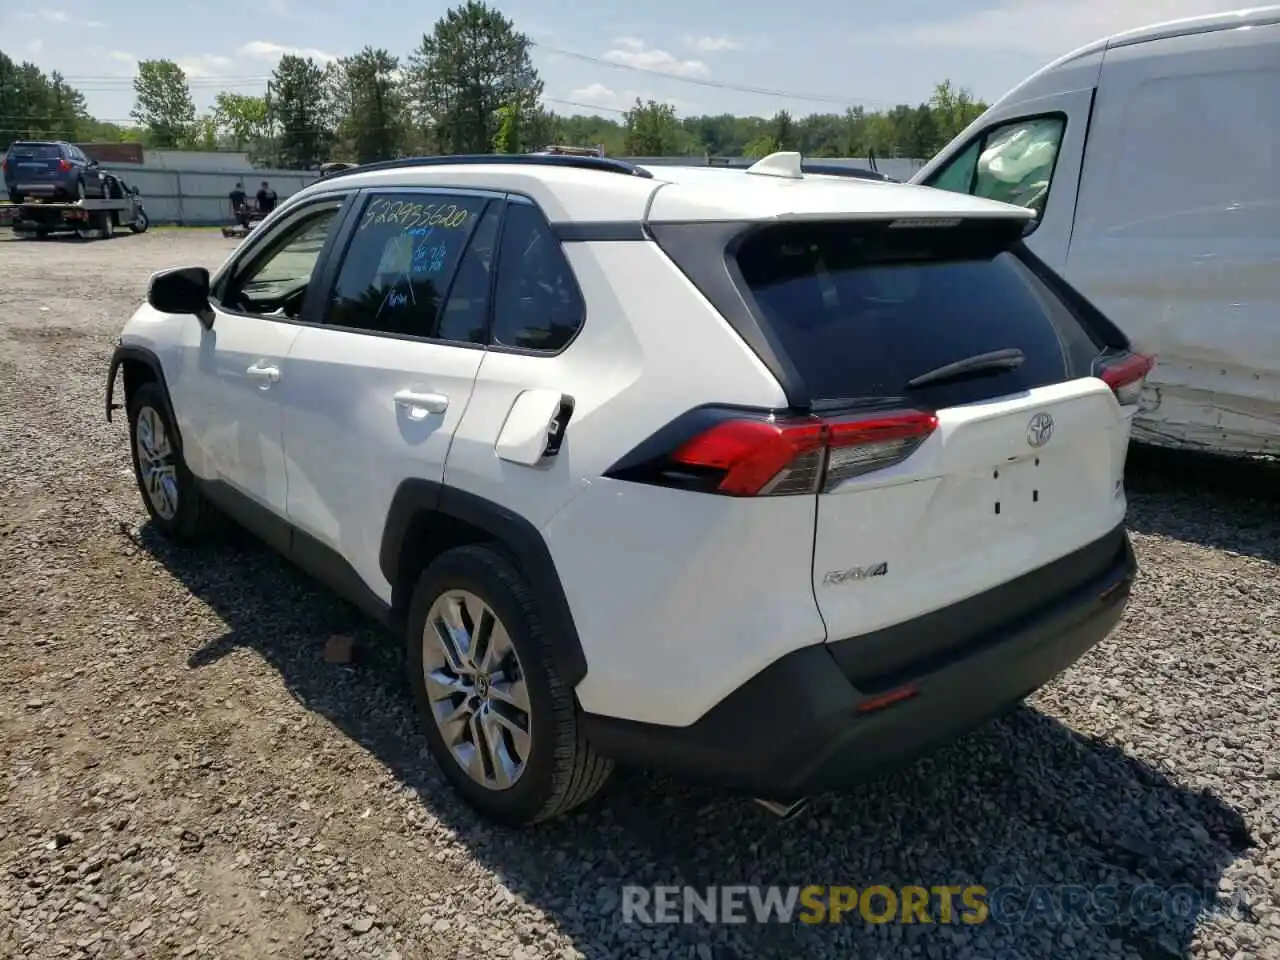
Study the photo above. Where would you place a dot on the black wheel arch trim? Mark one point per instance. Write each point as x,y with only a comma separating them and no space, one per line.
131,353
520,538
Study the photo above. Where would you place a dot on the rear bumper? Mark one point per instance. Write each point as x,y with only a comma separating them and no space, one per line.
795,729
46,188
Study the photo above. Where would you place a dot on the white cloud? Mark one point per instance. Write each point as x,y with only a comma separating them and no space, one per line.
207,65
712,44
119,56
612,101
1046,27
630,52
264,50
59,17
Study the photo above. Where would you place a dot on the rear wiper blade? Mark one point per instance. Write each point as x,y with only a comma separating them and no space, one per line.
992,362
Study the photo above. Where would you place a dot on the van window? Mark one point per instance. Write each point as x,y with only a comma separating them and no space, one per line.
1012,162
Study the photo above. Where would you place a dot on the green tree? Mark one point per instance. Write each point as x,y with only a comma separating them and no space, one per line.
472,64
784,131
507,139
298,115
33,104
369,109
953,110
652,130
164,105
240,119
761,146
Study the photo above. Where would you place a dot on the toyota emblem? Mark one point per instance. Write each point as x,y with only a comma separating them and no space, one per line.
1039,430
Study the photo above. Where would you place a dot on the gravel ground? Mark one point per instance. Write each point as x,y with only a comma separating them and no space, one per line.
185,776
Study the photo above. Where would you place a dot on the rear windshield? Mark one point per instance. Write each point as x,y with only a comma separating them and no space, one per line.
860,310
35,151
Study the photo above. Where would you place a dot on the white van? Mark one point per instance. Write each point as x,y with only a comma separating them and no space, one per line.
1154,159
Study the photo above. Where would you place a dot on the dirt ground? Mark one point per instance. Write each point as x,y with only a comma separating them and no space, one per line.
183,775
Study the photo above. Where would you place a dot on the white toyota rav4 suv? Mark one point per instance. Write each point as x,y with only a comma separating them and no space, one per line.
761,477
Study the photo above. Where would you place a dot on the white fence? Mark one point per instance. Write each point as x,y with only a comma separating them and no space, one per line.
200,197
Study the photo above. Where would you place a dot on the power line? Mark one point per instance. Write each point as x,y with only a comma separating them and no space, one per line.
104,83
702,82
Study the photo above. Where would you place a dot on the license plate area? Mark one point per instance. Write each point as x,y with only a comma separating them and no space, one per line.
1018,493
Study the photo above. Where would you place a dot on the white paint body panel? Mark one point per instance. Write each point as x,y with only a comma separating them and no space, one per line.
925,517
231,423
1174,231
349,445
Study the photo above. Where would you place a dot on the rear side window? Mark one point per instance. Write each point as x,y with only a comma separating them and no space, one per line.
860,310
537,305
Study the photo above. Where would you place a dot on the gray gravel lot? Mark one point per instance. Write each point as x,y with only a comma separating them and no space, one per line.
183,775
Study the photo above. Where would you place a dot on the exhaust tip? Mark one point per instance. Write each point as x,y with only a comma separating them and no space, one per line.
784,810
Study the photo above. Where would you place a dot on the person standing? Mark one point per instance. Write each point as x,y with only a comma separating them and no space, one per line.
237,198
266,199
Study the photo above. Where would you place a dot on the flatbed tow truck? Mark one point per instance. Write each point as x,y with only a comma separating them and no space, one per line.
88,219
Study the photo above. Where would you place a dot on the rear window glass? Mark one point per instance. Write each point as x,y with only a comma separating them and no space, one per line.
35,151
860,310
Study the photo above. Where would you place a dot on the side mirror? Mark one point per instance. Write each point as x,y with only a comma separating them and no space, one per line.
182,290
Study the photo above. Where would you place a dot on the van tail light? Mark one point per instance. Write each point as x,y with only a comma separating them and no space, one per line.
1125,374
64,165
741,456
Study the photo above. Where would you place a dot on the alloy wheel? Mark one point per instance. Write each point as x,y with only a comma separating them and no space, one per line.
477,689
156,465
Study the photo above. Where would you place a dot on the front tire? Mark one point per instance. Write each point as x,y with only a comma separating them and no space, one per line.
499,720
140,222
177,508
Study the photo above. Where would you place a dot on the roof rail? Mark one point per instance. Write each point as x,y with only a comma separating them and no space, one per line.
839,170
603,164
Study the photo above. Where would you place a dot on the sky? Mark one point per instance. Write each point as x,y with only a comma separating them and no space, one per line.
716,56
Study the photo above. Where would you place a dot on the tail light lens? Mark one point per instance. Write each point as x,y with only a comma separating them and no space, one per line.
1125,375
64,165
744,457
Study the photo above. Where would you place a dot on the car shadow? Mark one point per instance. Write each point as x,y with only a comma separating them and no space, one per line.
1220,503
1024,804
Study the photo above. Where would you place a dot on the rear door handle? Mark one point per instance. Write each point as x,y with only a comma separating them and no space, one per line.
420,405
265,374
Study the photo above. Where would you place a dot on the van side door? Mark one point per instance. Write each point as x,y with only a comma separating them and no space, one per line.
1177,235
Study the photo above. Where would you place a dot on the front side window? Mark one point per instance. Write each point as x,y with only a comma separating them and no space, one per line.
1012,162
402,260
538,305
275,279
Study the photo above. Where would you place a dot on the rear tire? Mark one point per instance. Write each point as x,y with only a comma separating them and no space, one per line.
15,197
516,751
178,510
80,194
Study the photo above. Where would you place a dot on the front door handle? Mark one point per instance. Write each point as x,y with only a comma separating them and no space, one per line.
265,374
420,405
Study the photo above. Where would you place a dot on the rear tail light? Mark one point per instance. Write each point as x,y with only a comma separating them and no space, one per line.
1125,375
767,457
64,165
